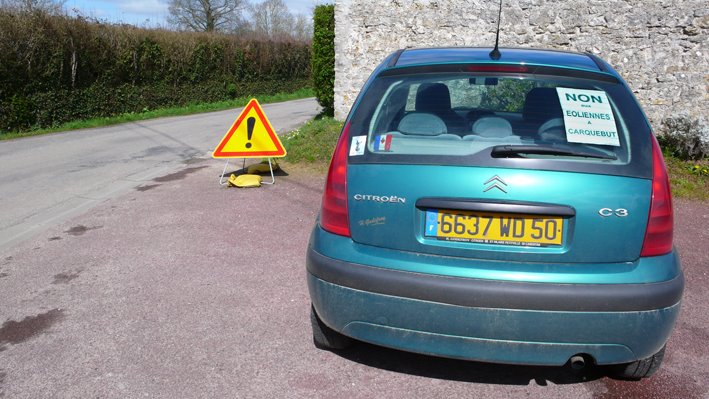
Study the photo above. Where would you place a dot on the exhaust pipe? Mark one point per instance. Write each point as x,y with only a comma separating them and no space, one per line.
577,362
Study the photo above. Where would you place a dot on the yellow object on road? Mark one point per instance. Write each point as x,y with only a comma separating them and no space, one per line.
244,181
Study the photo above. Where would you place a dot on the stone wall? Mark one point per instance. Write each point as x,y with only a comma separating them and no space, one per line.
660,47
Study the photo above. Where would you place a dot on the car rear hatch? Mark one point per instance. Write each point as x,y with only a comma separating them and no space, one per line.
499,214
502,163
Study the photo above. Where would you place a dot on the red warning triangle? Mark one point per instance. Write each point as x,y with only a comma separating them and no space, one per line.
251,136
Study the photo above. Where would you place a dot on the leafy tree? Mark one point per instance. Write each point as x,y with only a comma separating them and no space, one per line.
508,95
206,15
323,60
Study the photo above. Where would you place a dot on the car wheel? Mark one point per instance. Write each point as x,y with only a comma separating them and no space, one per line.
325,337
641,368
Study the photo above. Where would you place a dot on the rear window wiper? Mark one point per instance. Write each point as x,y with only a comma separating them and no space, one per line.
506,151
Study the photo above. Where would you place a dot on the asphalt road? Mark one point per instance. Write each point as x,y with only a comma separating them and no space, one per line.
47,179
185,289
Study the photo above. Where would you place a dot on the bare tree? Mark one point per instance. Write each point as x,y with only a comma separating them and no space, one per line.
303,28
206,15
50,6
271,18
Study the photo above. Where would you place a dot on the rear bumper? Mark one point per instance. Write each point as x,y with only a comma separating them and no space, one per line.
497,294
495,321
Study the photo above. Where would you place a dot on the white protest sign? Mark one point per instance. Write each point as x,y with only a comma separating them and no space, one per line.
588,117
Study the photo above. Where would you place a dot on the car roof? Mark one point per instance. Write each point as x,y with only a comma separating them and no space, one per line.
455,55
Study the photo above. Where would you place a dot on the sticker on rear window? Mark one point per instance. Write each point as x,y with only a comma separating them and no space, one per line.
588,117
383,142
357,146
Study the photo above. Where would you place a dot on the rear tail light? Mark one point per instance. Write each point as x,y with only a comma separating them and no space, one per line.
658,236
334,213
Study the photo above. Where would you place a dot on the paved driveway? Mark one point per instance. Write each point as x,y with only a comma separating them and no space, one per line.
181,288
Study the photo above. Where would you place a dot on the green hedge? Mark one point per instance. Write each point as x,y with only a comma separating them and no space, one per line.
55,69
324,56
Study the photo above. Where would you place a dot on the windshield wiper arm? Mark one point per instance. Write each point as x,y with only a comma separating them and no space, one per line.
501,151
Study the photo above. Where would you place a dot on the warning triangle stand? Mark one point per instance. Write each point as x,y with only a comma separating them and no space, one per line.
223,182
251,136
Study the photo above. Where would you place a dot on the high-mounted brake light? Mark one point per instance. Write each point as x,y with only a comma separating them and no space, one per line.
498,68
334,213
658,236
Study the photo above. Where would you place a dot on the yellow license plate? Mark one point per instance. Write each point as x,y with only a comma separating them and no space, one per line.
495,228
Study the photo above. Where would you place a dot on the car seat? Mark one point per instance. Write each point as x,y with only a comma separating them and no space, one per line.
435,98
493,128
422,123
540,105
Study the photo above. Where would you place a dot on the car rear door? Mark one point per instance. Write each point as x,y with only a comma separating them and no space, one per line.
499,214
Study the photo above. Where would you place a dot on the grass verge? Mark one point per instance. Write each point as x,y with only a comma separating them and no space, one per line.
163,112
314,142
689,179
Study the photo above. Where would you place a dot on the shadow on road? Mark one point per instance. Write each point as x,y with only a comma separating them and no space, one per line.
465,371
242,171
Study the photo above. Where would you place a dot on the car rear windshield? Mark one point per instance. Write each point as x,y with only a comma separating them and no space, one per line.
452,116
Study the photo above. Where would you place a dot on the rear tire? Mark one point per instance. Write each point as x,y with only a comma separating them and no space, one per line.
325,337
639,369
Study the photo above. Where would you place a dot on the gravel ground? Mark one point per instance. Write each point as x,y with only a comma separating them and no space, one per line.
182,288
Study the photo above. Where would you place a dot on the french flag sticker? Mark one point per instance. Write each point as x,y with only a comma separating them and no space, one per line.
383,142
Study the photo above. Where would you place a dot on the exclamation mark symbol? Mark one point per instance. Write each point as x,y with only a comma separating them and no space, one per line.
250,129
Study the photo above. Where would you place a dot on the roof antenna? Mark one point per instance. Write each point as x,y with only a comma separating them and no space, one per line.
495,53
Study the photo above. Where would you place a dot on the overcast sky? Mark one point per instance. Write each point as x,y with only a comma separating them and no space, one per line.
151,12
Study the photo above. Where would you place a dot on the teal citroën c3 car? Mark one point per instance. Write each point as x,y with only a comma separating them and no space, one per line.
512,209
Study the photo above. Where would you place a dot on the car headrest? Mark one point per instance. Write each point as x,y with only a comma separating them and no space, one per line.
433,98
422,123
541,104
552,124
492,126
